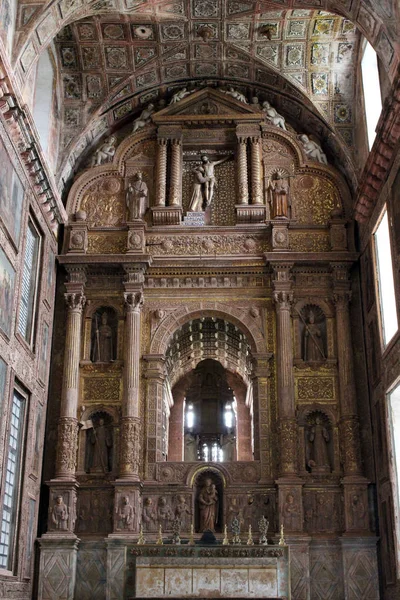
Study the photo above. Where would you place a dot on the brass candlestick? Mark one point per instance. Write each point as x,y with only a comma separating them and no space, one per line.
250,538
191,537
282,538
225,541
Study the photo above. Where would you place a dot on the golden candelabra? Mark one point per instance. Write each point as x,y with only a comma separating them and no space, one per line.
159,541
225,541
141,540
250,538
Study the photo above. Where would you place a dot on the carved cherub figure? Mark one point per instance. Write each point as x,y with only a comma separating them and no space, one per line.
180,95
143,119
272,115
105,153
313,150
236,94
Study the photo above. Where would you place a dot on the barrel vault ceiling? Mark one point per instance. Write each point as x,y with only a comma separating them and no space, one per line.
113,60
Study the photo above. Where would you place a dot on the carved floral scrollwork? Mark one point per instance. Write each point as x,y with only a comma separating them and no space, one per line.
350,434
288,445
67,446
130,447
75,301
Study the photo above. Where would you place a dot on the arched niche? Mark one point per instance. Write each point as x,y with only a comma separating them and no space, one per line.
98,441
318,430
208,496
323,320
96,331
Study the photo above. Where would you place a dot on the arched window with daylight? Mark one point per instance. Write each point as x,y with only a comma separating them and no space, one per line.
372,90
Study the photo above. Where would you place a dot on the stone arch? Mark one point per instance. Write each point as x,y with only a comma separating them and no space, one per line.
172,322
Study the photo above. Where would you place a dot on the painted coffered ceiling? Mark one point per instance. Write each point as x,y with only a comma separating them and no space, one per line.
115,56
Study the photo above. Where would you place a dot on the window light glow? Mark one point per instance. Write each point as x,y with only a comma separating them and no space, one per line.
372,91
387,298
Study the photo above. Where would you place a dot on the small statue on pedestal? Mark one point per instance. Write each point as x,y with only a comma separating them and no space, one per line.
136,197
278,189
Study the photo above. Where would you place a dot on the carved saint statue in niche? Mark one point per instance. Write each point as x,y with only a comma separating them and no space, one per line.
105,153
204,184
318,437
59,514
102,350
313,345
137,197
208,505
279,196
99,444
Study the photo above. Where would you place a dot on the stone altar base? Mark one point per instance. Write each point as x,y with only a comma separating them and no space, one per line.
115,569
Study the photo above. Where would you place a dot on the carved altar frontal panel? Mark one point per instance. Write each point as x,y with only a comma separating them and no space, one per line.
91,571
326,572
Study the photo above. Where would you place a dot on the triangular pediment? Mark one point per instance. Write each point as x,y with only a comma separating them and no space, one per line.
207,104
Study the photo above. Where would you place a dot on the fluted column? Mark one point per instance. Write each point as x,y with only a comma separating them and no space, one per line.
161,172
349,424
256,192
176,172
130,422
283,296
68,422
242,168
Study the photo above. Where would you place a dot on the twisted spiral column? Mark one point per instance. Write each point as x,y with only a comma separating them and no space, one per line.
176,173
257,197
242,166
161,172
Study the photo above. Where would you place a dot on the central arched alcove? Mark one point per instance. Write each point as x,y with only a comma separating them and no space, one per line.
211,418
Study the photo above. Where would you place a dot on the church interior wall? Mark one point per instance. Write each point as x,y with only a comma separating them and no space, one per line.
276,285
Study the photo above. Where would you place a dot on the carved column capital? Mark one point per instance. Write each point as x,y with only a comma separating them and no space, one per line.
283,299
133,301
342,299
75,301
134,274
76,274
162,141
